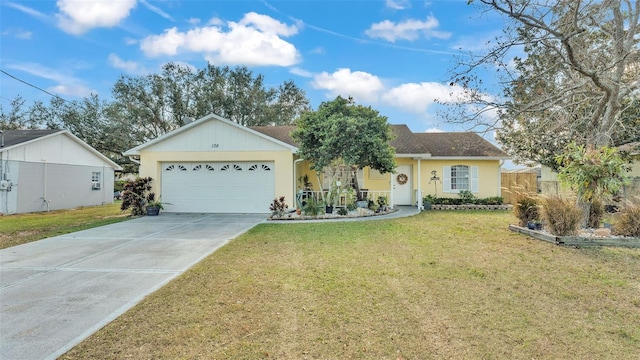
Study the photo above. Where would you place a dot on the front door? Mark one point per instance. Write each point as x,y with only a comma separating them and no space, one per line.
402,185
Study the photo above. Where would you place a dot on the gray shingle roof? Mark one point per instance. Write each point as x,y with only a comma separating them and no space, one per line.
15,137
448,144
463,144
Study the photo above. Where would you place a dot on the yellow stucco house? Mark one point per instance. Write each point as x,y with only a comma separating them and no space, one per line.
216,165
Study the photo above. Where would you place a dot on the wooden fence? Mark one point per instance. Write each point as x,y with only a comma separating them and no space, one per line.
512,182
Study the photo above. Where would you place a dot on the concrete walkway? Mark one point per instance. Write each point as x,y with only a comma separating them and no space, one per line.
403,211
58,291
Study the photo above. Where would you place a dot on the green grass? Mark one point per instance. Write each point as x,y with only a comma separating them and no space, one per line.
437,285
24,228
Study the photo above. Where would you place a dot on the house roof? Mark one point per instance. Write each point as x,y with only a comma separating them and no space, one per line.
284,133
459,144
15,138
281,133
449,144
406,142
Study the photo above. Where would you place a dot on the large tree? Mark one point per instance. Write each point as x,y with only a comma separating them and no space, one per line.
145,107
578,72
342,134
161,102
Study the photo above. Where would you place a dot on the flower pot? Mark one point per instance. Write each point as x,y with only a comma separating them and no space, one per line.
328,209
153,210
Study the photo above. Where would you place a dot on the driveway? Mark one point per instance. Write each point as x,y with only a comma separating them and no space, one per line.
57,291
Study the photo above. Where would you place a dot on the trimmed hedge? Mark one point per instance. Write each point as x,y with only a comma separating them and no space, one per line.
496,200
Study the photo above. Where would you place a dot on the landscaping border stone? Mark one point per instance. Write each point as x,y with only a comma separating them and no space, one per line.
471,207
578,241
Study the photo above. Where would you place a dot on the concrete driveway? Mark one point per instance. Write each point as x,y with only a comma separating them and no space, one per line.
56,292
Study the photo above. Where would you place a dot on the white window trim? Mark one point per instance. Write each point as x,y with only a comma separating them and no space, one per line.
96,182
473,179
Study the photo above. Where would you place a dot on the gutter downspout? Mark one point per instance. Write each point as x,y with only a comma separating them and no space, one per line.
419,194
133,160
500,177
295,178
44,197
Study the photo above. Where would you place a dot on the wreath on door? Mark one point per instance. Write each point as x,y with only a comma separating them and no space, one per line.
402,179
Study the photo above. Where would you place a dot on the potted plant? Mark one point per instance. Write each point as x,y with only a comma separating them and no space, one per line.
382,204
427,201
534,225
154,206
137,196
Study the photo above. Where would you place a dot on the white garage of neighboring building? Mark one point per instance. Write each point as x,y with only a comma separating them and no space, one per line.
214,165
51,169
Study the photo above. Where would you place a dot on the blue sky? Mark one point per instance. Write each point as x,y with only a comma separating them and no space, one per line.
391,55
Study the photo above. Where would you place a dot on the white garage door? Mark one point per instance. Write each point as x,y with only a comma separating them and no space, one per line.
218,187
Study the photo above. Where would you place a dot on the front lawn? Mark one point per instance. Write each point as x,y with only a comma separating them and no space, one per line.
437,285
23,228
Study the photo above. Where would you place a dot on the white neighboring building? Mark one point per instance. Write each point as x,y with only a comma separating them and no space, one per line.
43,170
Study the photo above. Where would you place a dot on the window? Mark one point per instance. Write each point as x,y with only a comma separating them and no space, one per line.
95,180
460,177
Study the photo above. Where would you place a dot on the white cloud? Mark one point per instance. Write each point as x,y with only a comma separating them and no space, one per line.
417,98
409,30
194,21
301,72
130,41
18,33
398,4
434,130
78,17
75,90
27,10
267,24
67,84
130,67
156,10
254,40
362,86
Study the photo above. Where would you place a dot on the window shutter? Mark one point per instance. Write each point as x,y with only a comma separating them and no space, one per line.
474,179
446,182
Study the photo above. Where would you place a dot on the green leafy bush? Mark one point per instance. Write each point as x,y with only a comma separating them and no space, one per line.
628,223
136,194
342,211
562,217
312,207
467,197
496,200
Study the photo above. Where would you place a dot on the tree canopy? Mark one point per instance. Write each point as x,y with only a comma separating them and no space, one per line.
145,107
341,133
576,79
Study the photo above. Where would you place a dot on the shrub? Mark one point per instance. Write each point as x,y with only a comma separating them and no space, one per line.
136,194
312,207
628,223
467,197
342,211
596,213
526,209
278,207
496,200
562,217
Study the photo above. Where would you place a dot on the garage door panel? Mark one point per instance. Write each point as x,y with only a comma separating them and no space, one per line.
229,187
